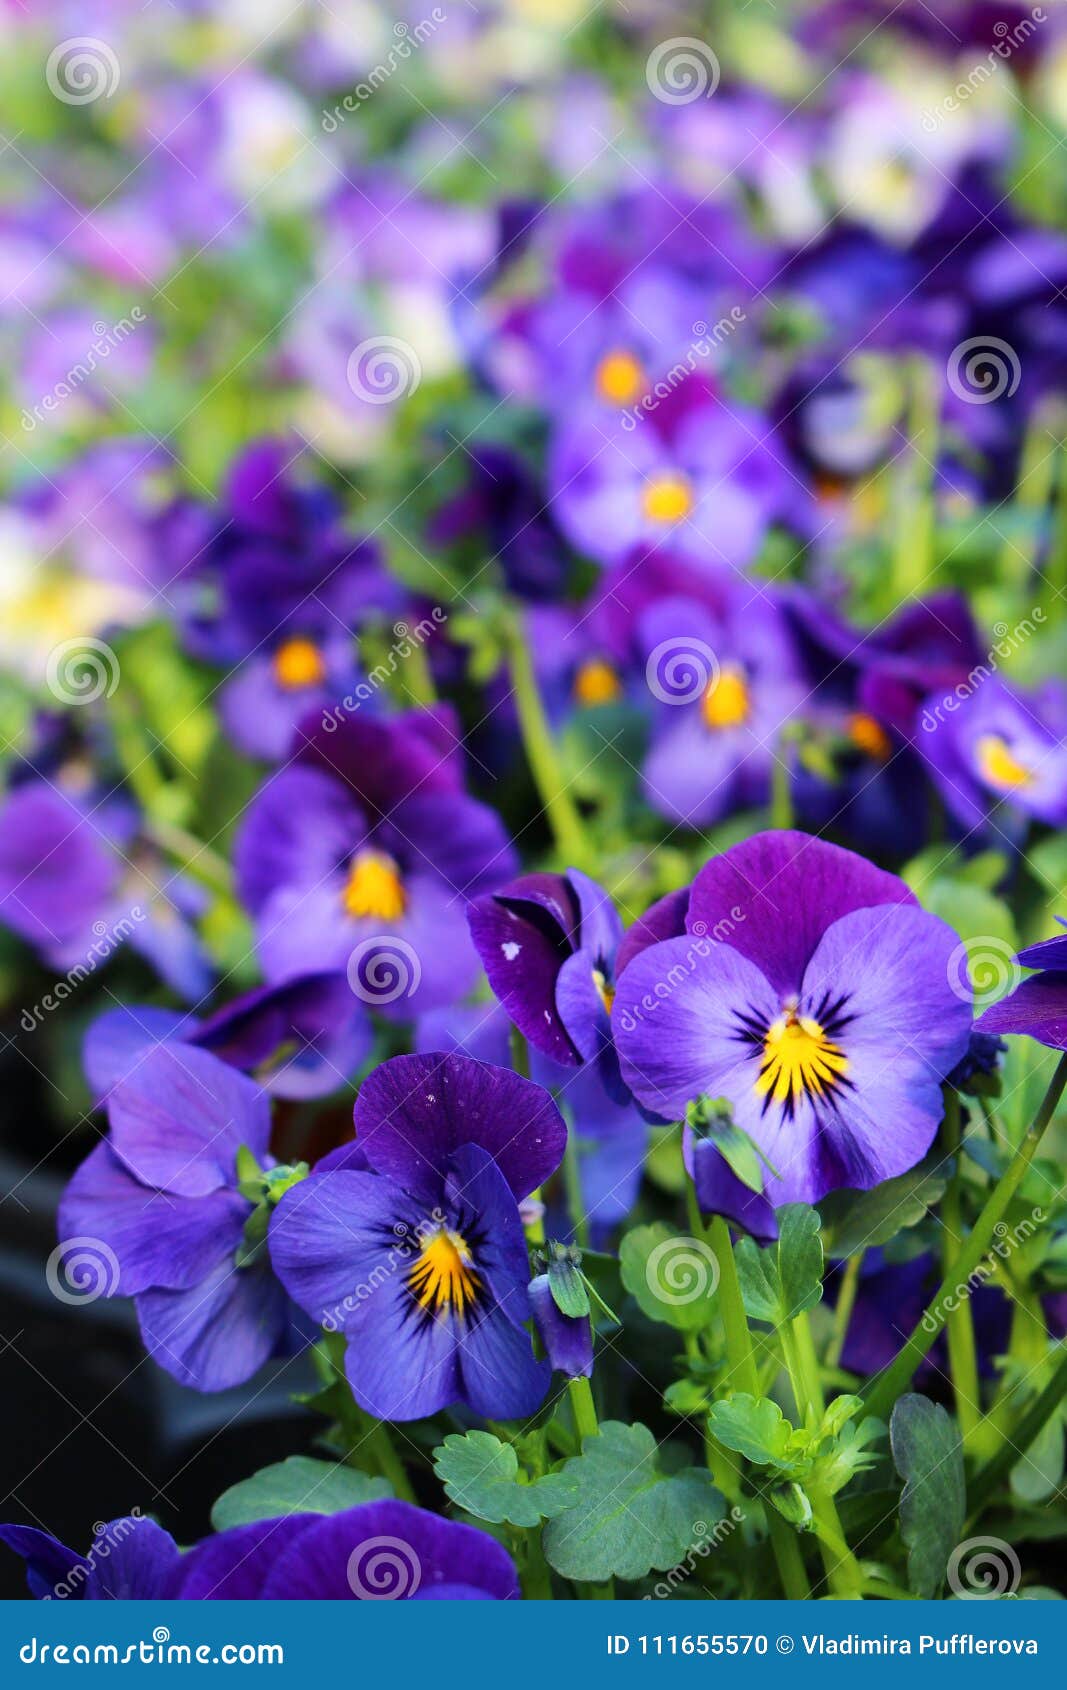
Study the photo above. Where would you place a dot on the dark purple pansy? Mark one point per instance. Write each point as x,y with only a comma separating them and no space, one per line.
363,857
609,1136
1038,1005
77,883
172,1211
377,1552
548,944
130,1559
421,1261
299,1040
272,554
811,992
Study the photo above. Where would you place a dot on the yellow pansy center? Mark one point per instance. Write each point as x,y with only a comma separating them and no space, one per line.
668,498
298,663
444,1277
619,378
597,683
726,702
998,766
869,736
374,887
799,1060
605,993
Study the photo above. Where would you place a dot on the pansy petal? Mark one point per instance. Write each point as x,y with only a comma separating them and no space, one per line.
335,1235
178,1120
221,1331
389,1551
234,1564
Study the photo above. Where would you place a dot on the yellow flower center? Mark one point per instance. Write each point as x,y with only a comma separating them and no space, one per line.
597,683
869,736
619,378
799,1060
374,887
998,766
298,663
726,700
444,1278
605,993
668,498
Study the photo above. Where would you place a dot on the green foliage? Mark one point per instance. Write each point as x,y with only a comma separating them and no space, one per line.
482,1476
782,1280
928,1455
671,1277
828,1455
861,1220
629,1516
298,1485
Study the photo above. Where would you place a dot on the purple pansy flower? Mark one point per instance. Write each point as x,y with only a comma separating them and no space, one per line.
274,689
131,1559
1038,1005
727,686
421,1261
705,477
998,746
376,1552
363,855
175,1203
76,883
302,1039
811,992
548,943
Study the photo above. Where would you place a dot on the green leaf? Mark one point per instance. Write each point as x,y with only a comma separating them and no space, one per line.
673,1278
928,1454
712,1118
781,1281
481,1475
861,1220
568,1289
629,1516
756,1428
298,1485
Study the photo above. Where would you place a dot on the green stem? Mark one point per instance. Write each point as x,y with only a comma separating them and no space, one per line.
742,1362
723,1465
962,1349
913,545
583,1408
541,753
572,1182
373,1435
536,1577
842,1569
846,1302
895,1379
520,1061
1014,1444
1034,489
200,862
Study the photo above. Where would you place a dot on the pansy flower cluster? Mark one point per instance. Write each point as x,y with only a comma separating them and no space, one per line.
532,573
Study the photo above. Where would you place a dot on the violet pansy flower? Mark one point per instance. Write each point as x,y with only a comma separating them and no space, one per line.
421,1261
812,993
174,1206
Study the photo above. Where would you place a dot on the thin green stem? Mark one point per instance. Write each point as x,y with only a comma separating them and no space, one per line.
913,543
846,1302
842,1569
536,1577
572,1183
199,861
1014,1442
895,1379
542,755
374,1437
962,1349
742,1362
520,1061
583,1407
